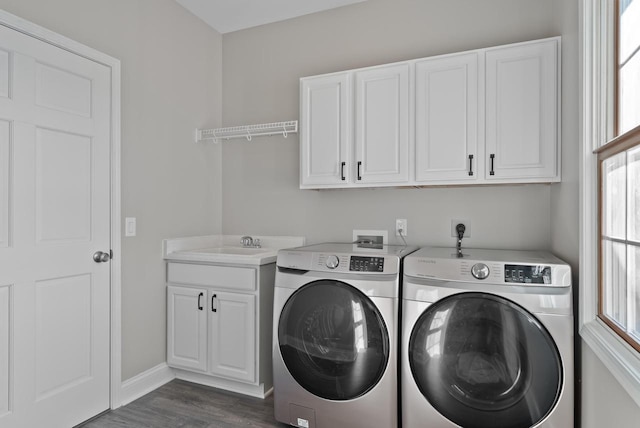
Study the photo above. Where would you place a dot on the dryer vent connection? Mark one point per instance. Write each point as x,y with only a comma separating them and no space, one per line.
369,241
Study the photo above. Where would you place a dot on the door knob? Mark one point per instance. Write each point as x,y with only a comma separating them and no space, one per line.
100,257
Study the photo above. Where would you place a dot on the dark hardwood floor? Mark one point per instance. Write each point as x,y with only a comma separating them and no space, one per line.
184,404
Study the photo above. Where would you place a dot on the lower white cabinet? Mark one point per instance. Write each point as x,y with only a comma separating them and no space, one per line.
232,334
219,331
187,328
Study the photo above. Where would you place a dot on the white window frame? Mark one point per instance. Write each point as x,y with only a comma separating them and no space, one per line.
596,129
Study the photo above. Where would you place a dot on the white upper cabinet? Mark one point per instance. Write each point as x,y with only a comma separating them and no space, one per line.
382,124
522,112
447,118
478,117
325,130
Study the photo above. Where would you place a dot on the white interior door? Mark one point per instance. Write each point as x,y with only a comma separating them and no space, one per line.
54,214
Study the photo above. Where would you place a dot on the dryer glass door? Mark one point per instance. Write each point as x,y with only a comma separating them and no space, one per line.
333,340
483,361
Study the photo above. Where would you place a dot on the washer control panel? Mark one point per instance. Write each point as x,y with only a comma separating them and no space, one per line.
480,271
366,264
355,264
527,274
332,262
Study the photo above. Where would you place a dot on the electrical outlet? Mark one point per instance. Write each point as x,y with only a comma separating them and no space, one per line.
467,230
401,223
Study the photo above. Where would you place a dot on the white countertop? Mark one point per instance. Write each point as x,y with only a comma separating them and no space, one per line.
226,249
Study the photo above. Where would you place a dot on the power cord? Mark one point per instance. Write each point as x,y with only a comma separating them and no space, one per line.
402,236
460,228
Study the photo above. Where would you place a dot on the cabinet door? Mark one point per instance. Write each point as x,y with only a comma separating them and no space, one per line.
325,131
522,111
232,329
447,118
382,125
187,328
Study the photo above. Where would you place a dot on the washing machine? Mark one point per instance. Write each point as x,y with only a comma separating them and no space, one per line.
335,335
487,340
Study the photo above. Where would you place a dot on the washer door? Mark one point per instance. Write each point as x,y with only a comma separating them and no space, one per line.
482,361
333,340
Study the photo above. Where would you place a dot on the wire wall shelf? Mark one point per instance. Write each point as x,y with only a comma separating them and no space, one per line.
247,131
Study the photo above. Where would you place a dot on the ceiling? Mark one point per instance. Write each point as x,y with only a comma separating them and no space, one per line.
231,15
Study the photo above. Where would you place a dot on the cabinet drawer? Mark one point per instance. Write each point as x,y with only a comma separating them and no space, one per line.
215,276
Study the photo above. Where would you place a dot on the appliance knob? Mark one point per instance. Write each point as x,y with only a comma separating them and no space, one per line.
332,262
480,271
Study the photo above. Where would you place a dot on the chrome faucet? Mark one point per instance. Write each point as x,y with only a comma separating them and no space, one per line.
249,242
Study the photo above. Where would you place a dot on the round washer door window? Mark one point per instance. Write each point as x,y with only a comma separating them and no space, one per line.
333,340
482,361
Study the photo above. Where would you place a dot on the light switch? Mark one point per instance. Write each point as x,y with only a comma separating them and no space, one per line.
130,226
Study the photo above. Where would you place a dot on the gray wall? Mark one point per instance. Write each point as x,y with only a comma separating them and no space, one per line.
171,84
604,402
261,68
173,67
261,71
564,195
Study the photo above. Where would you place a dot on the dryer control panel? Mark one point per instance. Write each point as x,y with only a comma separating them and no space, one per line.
499,267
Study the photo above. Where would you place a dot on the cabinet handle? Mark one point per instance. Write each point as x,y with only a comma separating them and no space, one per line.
359,165
213,309
492,156
342,171
200,304
470,164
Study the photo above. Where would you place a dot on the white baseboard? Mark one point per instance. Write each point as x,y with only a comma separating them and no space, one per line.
258,391
145,382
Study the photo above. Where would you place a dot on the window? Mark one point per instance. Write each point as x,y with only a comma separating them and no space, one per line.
628,64
610,146
619,185
620,237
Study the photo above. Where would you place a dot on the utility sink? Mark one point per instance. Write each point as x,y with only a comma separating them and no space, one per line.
227,249
233,250
227,254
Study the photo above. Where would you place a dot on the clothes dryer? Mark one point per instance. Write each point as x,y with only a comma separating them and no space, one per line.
487,340
335,335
